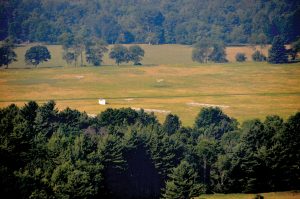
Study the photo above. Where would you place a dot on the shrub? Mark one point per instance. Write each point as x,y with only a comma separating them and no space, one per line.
258,56
240,57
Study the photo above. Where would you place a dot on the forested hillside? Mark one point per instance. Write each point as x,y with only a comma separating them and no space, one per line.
122,153
151,21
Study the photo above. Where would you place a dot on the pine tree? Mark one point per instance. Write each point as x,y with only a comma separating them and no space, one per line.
182,182
171,124
277,53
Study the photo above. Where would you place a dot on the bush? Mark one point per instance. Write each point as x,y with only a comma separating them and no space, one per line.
258,196
258,56
240,57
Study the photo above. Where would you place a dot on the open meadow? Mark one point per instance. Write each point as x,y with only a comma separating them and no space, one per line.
168,82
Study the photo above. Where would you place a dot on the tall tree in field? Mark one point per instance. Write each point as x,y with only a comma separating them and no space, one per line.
67,41
277,53
119,53
258,56
136,53
201,51
94,52
218,54
7,54
36,55
69,56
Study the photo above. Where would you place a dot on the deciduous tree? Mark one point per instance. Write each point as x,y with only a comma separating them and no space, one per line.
7,53
136,53
36,55
240,57
120,54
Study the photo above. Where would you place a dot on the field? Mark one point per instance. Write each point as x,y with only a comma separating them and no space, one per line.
274,195
168,81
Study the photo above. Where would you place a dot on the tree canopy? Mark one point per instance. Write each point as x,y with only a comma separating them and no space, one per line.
7,54
153,22
36,55
278,53
48,153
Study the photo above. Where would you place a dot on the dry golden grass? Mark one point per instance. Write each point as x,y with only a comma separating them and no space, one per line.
250,90
248,50
273,195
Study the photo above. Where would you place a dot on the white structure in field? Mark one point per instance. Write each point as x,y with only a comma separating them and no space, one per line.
102,101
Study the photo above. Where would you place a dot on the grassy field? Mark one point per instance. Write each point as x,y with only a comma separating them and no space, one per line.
169,81
274,195
155,55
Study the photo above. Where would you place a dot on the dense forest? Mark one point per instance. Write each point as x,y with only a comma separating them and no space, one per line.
151,21
123,153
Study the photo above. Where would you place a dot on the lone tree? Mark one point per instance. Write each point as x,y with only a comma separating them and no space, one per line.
205,51
69,56
258,56
7,54
240,57
277,53
218,54
36,55
120,54
67,41
135,54
201,51
94,52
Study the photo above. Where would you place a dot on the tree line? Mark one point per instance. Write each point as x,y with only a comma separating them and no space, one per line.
72,52
203,51
151,21
206,50
123,153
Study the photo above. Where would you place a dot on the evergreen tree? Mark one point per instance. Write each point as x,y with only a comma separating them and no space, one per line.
46,119
277,53
182,182
206,152
171,124
214,123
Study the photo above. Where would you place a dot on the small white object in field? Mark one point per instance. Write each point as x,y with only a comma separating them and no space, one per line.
128,99
159,80
79,76
102,101
206,105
